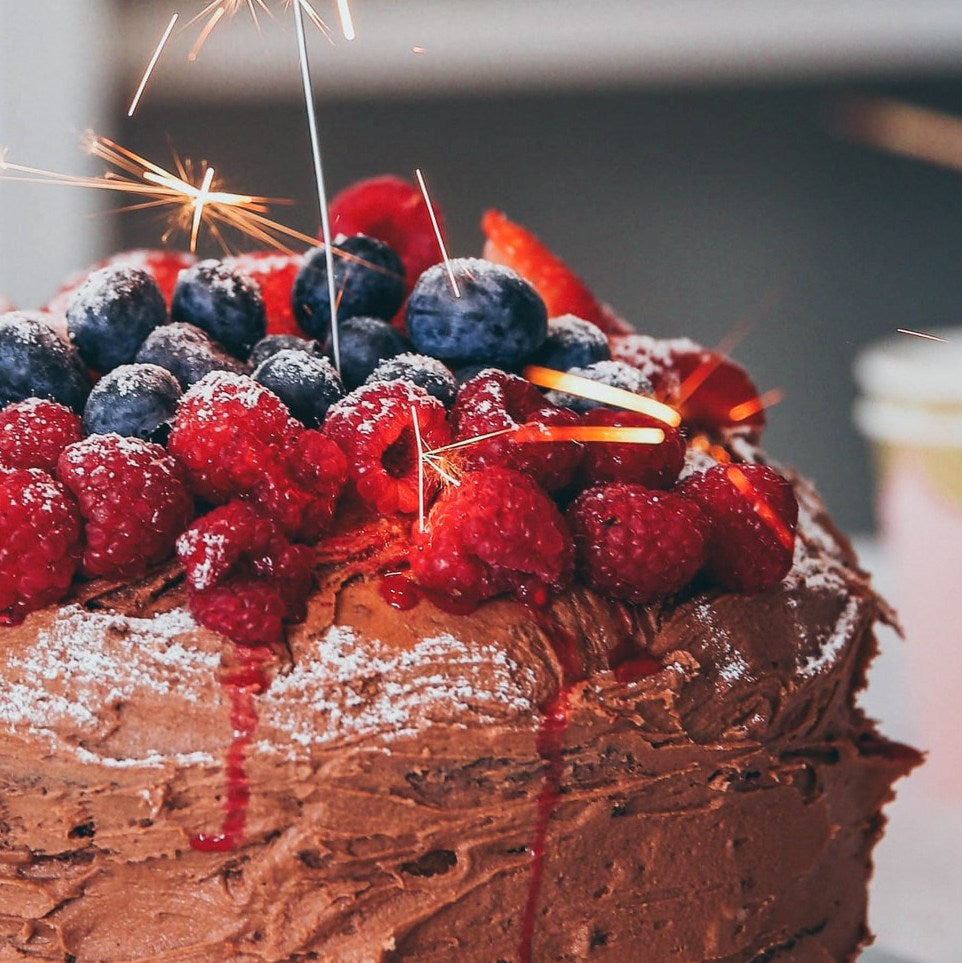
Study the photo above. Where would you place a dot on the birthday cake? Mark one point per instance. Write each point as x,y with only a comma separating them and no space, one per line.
401,657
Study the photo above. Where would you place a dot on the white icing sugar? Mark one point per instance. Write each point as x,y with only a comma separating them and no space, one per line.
730,666
651,355
218,388
376,404
356,689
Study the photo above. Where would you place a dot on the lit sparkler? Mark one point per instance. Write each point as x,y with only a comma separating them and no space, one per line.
189,204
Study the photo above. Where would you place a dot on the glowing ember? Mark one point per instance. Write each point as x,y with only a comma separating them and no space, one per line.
152,64
754,405
437,233
605,394
137,176
764,511
920,334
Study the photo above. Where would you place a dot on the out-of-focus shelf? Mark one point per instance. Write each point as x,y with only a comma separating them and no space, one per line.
435,46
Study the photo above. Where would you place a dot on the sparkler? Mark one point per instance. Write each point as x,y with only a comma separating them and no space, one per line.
437,233
189,204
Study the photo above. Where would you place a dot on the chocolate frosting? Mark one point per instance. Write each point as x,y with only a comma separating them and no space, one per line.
720,808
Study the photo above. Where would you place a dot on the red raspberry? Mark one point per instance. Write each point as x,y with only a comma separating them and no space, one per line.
39,542
393,211
274,274
162,266
374,427
710,390
6,305
495,532
752,513
635,544
134,500
245,609
34,432
492,401
654,466
562,291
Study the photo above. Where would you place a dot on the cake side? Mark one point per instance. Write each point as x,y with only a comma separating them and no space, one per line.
721,807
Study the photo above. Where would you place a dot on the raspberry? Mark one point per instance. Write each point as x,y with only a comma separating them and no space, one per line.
6,305
562,291
654,466
495,532
635,544
274,274
237,438
493,401
710,390
34,432
752,513
393,211
245,609
134,500
374,427
39,542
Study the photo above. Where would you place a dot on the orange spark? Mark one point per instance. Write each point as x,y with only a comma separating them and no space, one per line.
605,394
754,405
703,444
764,511
589,433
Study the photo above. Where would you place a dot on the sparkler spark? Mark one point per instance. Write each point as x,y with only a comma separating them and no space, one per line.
189,205
152,64
347,21
921,334
754,405
764,511
437,233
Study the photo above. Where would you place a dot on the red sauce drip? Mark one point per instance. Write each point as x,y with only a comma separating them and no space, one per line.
565,646
241,685
633,669
551,735
399,591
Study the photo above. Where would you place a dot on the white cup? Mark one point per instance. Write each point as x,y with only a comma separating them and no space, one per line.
911,410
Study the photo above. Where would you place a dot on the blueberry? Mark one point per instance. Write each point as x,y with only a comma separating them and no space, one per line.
282,342
466,372
187,353
36,363
308,385
111,314
499,319
369,282
225,302
572,343
137,400
419,369
364,342
618,374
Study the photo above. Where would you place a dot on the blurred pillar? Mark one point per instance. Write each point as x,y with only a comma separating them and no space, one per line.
57,68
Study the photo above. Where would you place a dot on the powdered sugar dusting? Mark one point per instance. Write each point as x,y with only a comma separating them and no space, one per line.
357,688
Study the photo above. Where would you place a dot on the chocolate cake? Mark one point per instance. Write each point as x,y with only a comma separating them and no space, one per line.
555,767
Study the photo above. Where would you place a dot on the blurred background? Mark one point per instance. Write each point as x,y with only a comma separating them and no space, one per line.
688,158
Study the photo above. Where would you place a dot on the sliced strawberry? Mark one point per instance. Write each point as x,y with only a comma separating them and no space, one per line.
562,291
274,273
392,210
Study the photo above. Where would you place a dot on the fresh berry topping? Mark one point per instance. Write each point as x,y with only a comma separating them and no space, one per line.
496,532
273,343
112,313
467,372
35,363
752,513
562,291
39,542
274,274
498,319
654,466
364,343
6,306
634,544
393,211
308,385
223,301
368,279
137,400
710,390
617,374
134,501
572,343
34,432
229,433
421,370
495,401
237,438
245,609
187,352
162,266
374,426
